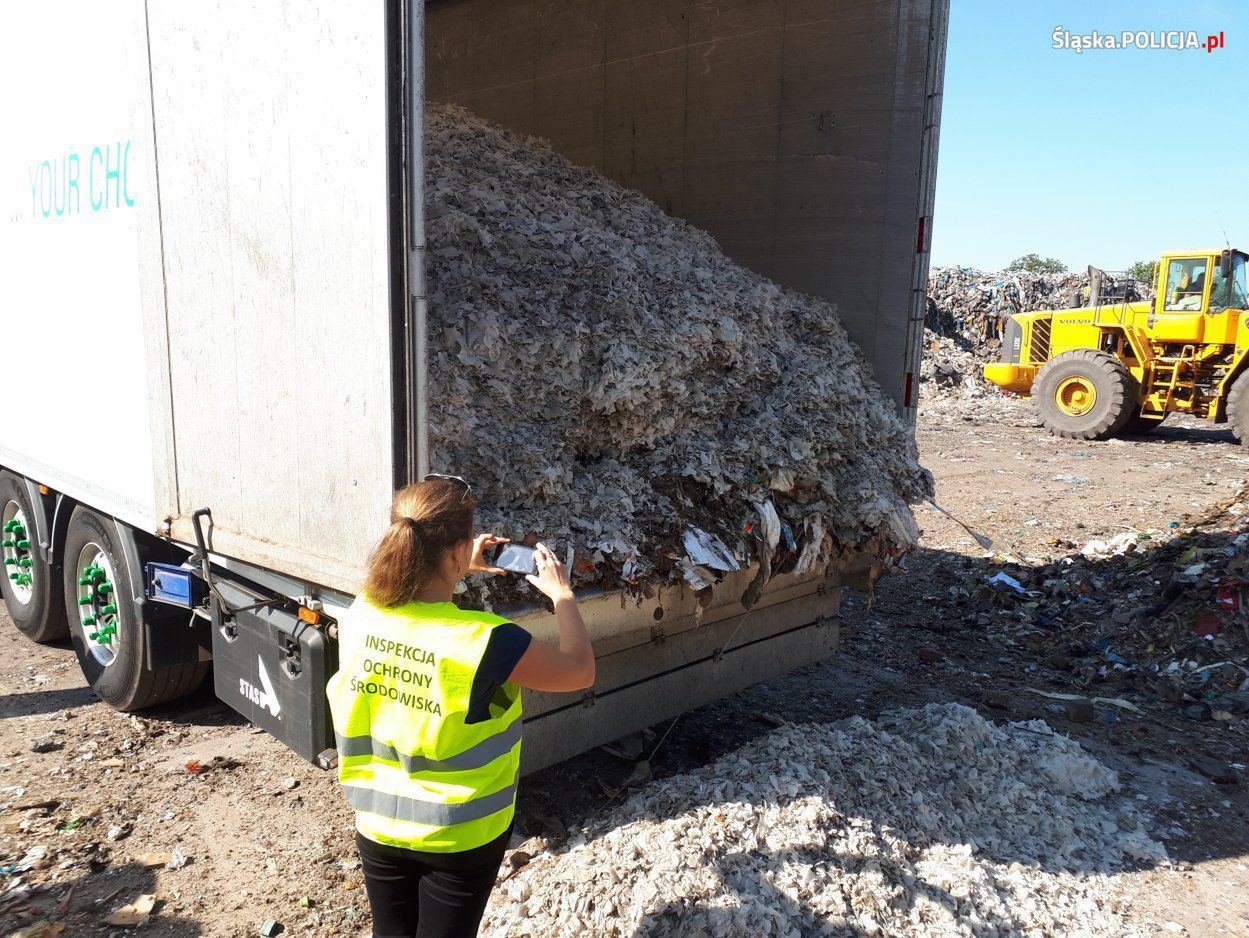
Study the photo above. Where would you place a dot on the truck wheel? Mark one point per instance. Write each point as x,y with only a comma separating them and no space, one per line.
1238,407
107,627
1084,394
31,587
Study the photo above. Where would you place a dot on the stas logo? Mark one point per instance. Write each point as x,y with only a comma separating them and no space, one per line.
265,696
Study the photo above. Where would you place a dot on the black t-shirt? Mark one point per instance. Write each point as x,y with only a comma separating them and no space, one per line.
508,643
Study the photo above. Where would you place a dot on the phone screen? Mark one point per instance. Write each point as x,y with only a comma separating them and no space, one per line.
515,559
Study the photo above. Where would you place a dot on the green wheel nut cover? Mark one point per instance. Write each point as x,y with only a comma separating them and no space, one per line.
25,562
109,610
10,561
23,545
85,601
88,620
7,544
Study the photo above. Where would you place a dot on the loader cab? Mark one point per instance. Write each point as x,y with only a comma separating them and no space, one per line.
1195,291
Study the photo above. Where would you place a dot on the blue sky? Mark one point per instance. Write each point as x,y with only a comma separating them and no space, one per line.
1103,157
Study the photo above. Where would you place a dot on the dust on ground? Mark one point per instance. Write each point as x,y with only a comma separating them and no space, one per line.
229,831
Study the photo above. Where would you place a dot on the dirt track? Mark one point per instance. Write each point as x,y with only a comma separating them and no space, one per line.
264,831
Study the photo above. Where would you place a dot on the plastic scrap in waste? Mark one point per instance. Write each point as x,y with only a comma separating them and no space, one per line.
1004,581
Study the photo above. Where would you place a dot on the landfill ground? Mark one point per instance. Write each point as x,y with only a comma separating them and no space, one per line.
229,832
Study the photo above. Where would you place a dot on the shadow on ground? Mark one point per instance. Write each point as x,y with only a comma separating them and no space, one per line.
199,709
80,906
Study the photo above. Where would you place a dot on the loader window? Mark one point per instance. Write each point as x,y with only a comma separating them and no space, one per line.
1230,292
1186,279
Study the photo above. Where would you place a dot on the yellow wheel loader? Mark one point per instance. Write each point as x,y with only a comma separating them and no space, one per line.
1121,367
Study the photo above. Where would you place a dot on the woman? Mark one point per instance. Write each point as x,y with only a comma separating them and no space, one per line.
427,712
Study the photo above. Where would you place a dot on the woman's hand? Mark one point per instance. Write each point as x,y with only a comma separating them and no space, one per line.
482,543
571,666
552,576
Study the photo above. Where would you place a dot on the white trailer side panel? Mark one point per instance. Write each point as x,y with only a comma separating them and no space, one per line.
80,258
271,135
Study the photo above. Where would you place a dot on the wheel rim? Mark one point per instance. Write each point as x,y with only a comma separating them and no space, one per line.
97,603
19,558
1075,396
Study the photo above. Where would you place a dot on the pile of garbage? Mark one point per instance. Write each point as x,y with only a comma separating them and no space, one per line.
951,367
611,382
1156,619
926,822
973,304
967,311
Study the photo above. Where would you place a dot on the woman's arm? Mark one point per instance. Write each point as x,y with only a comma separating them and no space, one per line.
571,665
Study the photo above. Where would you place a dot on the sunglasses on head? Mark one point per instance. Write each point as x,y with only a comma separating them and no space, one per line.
454,480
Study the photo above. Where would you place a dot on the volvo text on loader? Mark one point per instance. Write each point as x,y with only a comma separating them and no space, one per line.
1117,366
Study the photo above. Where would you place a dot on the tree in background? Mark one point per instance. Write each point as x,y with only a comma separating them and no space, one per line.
1033,264
1142,271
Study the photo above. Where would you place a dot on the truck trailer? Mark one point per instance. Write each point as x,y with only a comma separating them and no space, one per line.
212,271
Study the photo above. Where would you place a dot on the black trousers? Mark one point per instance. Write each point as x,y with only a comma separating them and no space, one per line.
429,895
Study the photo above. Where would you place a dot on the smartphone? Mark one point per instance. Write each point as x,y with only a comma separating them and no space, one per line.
515,558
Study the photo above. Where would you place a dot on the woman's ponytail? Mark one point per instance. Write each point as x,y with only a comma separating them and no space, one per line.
426,520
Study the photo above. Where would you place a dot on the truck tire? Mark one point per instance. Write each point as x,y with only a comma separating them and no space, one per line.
1238,407
107,626
1084,394
30,586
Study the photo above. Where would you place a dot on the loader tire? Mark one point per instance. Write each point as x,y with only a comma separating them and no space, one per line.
1084,394
107,626
1238,407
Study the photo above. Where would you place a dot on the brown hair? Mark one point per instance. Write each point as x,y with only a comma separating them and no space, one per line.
426,520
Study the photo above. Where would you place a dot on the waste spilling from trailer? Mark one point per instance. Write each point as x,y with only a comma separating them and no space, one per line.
927,822
609,380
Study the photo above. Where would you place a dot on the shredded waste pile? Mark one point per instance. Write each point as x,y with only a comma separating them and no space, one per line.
609,380
968,308
926,822
1155,620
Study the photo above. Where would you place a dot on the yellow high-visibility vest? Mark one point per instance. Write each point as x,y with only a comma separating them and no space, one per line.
418,776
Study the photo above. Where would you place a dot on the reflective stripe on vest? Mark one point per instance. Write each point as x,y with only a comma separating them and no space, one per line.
417,775
474,757
428,813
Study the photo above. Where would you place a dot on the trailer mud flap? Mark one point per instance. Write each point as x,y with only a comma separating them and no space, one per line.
272,667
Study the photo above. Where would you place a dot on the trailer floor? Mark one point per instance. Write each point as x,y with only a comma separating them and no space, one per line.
268,838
